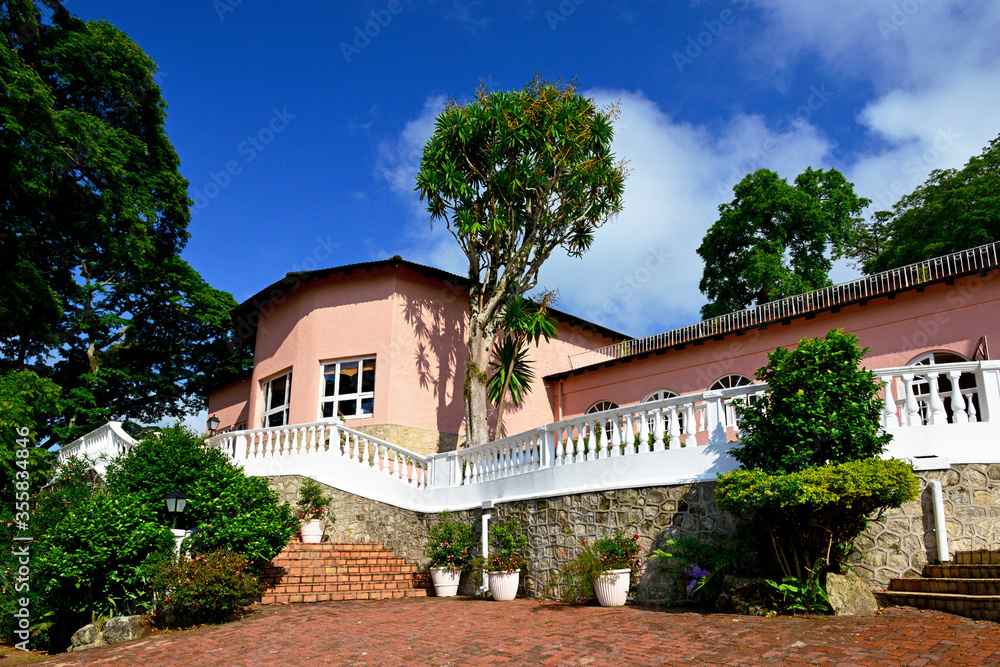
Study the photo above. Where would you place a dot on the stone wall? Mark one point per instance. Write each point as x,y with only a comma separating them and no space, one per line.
897,544
420,440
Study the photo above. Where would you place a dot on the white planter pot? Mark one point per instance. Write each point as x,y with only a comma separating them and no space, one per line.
445,581
503,585
612,587
312,531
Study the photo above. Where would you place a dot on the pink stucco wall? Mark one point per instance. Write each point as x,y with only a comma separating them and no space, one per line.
942,317
230,403
415,326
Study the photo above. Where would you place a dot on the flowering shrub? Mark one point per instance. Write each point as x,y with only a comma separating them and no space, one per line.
313,502
507,544
449,544
576,580
699,567
206,588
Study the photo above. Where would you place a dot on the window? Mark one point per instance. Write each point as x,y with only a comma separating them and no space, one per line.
922,389
349,389
659,395
730,381
277,393
601,406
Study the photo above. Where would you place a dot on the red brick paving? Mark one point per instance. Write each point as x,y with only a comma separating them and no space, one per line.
462,631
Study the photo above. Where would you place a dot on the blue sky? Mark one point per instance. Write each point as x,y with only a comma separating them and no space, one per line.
301,138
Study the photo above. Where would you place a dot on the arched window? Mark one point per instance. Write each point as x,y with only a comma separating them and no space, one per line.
922,390
601,406
659,395
729,382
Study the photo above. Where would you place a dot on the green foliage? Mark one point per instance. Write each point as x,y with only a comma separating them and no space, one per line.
576,580
73,483
507,545
313,502
953,210
90,561
801,595
94,291
213,587
449,543
813,515
228,508
700,566
820,407
515,175
772,240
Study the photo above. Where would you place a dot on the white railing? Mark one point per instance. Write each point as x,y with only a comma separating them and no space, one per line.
879,284
948,412
329,439
100,445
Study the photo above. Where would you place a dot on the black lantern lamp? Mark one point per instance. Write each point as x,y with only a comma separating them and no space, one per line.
213,424
176,504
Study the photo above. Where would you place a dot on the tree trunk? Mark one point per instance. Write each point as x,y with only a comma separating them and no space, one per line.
476,378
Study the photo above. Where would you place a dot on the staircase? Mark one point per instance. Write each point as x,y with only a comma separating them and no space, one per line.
968,586
333,571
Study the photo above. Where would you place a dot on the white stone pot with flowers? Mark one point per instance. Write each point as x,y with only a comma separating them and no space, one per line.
449,548
507,544
314,512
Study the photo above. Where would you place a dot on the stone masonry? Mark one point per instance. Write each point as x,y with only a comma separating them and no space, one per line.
897,544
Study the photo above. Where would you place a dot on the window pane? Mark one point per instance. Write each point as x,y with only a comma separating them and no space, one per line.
367,405
330,380
349,378
278,390
368,375
328,410
277,419
348,408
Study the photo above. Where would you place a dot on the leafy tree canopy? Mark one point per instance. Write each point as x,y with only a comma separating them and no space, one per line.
93,216
953,210
773,239
516,175
820,407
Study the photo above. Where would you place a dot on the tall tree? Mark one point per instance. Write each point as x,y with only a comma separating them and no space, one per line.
93,216
511,373
953,210
774,239
516,175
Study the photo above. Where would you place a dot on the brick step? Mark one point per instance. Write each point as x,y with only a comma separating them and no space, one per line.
959,586
288,598
953,571
337,571
980,557
979,607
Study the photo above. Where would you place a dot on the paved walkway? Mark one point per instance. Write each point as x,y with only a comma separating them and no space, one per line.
462,631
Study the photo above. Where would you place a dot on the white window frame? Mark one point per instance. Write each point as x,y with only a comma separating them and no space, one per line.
282,409
337,397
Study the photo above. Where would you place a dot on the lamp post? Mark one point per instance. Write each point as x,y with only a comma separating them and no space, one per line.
176,503
213,424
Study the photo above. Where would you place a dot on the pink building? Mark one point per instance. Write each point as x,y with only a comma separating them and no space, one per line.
382,345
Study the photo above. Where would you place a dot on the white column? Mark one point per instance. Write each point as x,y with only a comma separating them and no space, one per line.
988,383
958,414
890,418
937,413
715,414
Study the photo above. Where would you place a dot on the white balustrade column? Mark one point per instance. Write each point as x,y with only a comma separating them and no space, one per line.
937,414
890,418
912,407
690,440
658,430
958,413
715,417
988,384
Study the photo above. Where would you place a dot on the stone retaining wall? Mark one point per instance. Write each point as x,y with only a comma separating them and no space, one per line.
898,544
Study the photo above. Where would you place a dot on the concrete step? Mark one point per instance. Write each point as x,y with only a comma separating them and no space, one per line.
957,586
955,571
979,607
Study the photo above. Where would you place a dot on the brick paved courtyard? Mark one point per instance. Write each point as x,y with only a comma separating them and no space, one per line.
462,631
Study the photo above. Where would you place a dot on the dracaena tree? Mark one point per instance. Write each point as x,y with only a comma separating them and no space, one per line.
515,175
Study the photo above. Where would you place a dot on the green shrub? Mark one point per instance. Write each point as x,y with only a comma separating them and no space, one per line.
794,595
313,502
227,508
89,563
507,545
576,580
206,588
449,543
813,515
821,407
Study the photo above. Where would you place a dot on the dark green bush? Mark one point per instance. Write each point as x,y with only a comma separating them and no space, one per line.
821,407
227,508
89,563
213,587
812,516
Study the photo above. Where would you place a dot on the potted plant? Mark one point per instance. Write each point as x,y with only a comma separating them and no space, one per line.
449,546
507,544
604,568
313,511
